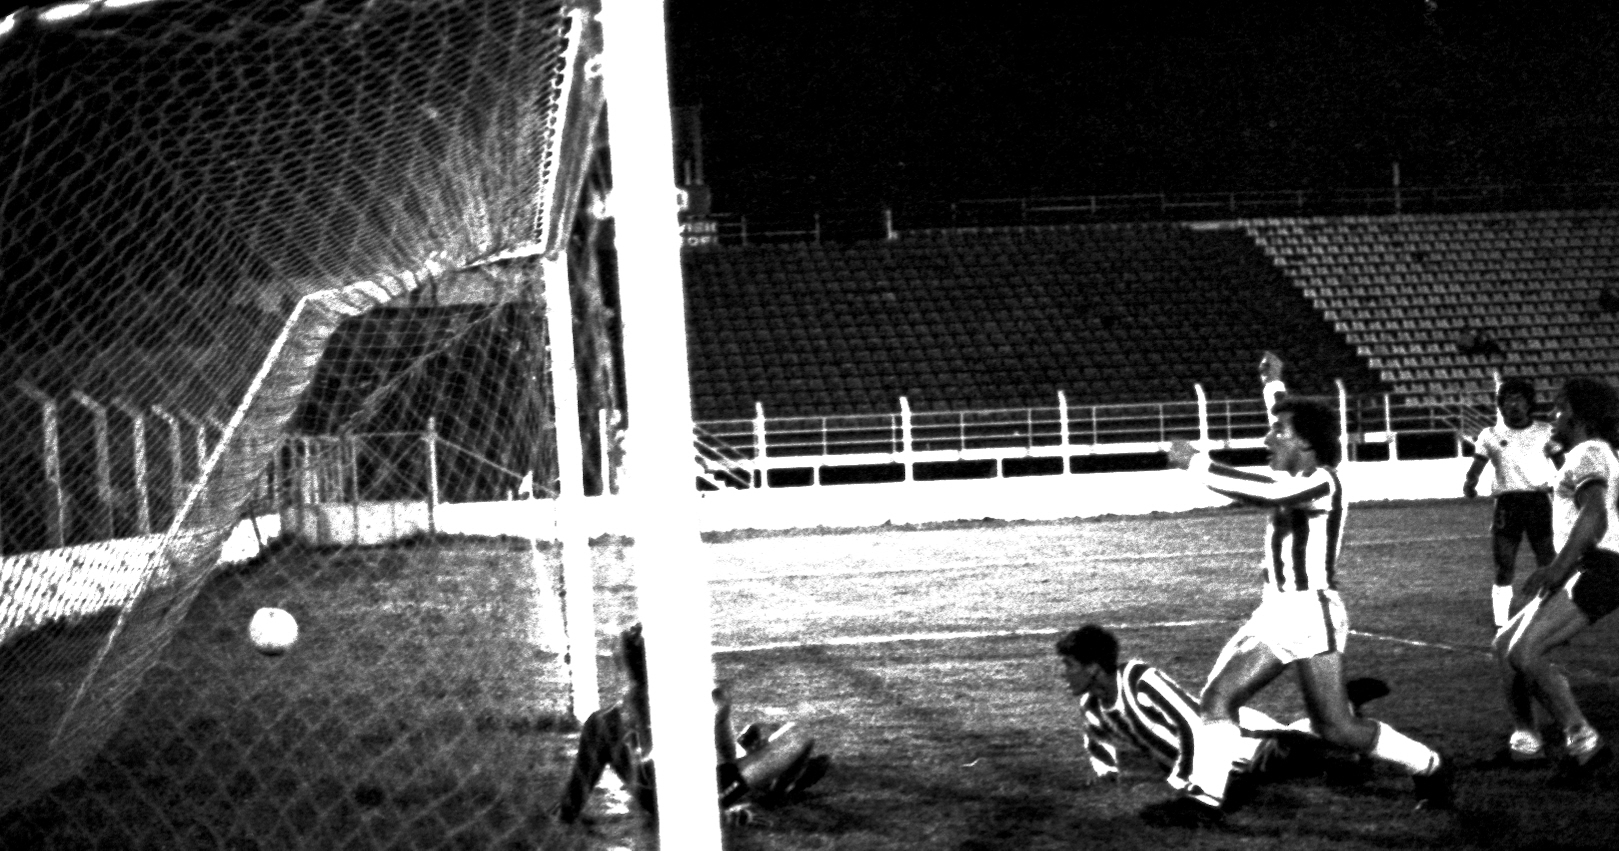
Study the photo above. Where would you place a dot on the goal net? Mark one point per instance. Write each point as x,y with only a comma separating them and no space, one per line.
276,278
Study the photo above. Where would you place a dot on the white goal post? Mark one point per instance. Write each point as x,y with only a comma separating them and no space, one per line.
671,568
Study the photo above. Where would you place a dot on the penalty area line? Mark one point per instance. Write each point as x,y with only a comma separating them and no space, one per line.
897,638
752,574
974,635
1414,642
1582,672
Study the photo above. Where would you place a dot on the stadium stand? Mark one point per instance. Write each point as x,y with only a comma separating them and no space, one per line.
1408,291
965,319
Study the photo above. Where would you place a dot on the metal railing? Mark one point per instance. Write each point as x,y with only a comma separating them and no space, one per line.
722,464
758,445
891,222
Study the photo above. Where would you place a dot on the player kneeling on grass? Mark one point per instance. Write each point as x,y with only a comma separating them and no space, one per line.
767,765
1579,587
1135,705
1300,625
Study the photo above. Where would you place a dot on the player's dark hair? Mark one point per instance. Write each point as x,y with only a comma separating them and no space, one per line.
1521,387
1090,644
632,653
1593,403
1316,424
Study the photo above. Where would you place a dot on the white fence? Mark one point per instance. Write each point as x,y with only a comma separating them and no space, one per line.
748,450
131,495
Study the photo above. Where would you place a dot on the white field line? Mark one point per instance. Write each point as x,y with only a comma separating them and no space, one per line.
867,640
1087,558
1412,642
862,640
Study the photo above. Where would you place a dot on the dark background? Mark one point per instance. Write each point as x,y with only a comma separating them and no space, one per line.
839,103
844,103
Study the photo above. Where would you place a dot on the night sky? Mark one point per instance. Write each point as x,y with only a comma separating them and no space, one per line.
861,103
856,104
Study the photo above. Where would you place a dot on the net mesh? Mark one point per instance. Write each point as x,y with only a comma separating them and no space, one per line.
260,349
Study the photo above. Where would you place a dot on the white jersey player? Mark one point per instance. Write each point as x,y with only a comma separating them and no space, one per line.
1576,589
1521,450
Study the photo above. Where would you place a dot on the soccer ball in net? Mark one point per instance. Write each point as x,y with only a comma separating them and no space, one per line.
273,631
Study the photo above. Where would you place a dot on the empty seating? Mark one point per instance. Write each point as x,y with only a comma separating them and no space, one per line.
1527,280
999,319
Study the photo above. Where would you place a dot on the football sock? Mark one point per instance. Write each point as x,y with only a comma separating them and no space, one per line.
1396,748
1217,750
1501,604
1582,740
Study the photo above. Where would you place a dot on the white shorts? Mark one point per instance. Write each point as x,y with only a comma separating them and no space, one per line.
1294,625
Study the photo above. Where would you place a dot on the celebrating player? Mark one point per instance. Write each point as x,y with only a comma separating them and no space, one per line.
1138,706
1300,624
775,766
1517,446
1576,589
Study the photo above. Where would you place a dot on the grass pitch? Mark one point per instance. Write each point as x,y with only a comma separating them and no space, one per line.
417,712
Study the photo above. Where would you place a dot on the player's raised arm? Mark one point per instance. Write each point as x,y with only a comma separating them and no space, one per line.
1250,487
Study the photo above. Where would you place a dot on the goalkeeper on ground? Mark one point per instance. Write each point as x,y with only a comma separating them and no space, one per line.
766,765
1134,705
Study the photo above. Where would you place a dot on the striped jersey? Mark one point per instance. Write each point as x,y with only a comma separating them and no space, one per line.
1305,532
1151,713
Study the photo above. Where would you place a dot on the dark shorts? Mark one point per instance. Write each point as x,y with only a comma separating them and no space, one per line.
1523,513
1596,589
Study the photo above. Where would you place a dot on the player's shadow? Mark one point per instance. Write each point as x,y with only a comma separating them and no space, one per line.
1002,776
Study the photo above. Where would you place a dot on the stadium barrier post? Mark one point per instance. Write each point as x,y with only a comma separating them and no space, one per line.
201,438
760,451
430,443
1343,419
1063,424
98,413
905,436
1202,414
56,512
352,446
1388,430
137,438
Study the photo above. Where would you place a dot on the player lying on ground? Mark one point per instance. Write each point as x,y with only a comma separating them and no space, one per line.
1579,587
1135,705
767,765
1300,624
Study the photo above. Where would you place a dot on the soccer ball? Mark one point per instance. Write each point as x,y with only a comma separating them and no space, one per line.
273,631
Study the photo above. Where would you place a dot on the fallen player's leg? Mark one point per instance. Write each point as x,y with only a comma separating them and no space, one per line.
1296,752
781,767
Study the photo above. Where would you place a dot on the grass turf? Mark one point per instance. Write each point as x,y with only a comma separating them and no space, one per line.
416,712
